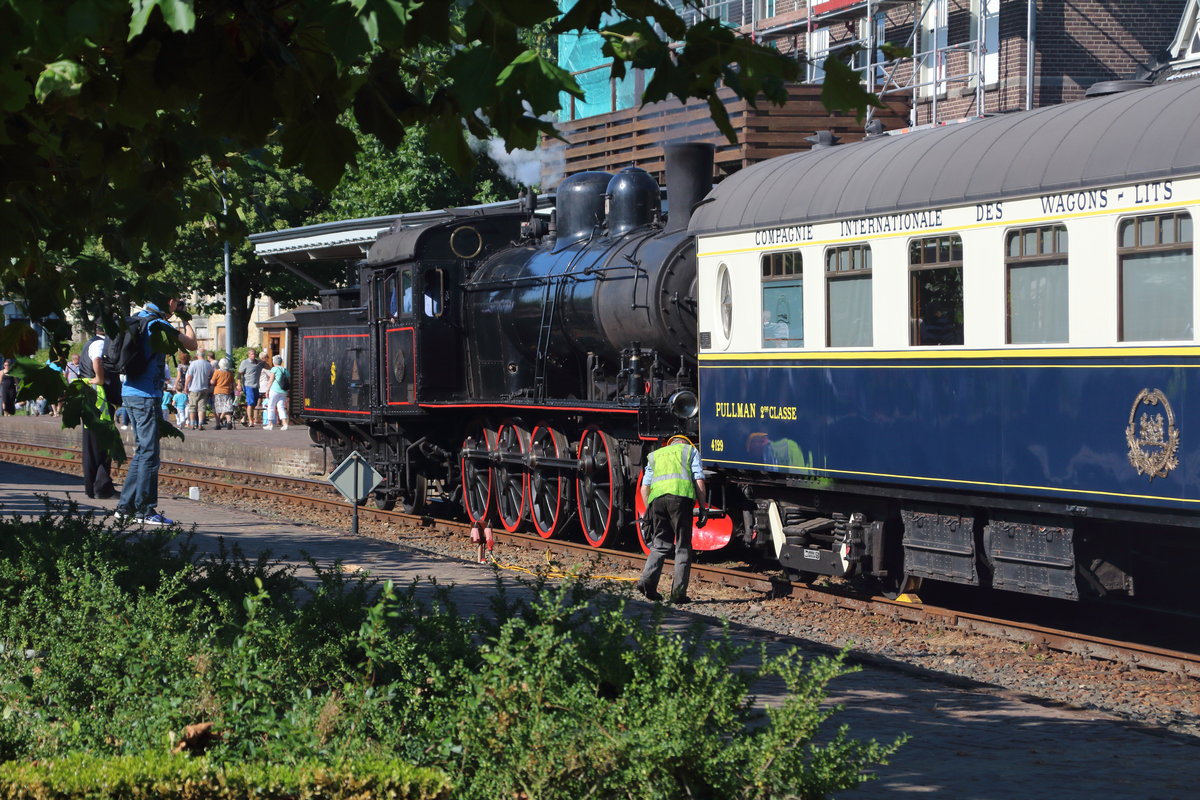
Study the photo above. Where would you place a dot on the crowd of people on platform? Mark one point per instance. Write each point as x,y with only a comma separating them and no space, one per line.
204,388
151,387
200,389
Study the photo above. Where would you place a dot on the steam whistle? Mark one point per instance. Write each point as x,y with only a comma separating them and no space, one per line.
534,227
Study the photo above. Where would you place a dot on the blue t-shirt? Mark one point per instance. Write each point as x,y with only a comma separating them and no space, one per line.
148,382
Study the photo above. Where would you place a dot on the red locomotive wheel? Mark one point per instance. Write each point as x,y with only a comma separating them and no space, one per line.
598,489
510,476
547,485
475,462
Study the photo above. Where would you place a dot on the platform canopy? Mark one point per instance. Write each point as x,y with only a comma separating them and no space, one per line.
344,239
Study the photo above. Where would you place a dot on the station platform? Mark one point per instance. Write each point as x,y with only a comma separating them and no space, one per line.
275,452
969,740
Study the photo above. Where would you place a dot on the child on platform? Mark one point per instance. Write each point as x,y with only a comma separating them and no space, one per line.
180,401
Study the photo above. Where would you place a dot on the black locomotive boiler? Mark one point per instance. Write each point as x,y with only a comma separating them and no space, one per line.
513,365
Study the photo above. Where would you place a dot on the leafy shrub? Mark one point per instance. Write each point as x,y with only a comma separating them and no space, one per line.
159,776
114,642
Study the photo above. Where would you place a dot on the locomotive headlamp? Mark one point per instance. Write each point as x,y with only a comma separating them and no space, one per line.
684,404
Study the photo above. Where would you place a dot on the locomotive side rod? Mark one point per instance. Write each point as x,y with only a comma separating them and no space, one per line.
523,459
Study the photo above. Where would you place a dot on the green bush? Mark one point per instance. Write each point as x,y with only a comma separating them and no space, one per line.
158,776
112,642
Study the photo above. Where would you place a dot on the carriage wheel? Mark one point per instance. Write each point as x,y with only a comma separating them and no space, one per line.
547,486
475,463
598,487
511,480
384,501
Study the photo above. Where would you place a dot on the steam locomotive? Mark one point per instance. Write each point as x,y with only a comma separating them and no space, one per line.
964,354
516,366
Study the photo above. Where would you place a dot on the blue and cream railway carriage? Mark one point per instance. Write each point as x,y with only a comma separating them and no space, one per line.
966,353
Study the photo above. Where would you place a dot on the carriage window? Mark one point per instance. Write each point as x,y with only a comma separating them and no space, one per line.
406,292
1155,254
1036,264
782,300
848,284
725,300
936,290
433,293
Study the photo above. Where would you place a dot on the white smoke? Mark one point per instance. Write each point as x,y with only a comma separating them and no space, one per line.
543,167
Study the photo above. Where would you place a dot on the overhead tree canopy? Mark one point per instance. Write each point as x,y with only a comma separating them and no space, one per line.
109,105
383,181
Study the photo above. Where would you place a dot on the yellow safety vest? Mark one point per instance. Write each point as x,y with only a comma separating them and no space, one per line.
672,473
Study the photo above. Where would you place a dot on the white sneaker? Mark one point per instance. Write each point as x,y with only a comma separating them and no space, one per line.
268,427
283,427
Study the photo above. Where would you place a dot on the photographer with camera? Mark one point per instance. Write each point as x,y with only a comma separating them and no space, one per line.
141,396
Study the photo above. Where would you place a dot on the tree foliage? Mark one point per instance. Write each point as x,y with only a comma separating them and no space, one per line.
108,105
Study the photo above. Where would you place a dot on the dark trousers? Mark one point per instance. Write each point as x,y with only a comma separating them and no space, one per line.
671,520
97,467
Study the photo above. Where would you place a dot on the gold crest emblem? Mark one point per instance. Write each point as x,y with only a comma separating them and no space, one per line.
1152,437
332,373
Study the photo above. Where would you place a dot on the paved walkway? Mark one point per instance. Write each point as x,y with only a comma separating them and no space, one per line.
967,741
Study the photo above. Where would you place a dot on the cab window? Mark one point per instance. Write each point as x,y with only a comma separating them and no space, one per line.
406,292
433,293
388,301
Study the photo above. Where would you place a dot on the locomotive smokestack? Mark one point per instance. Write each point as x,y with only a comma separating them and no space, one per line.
689,179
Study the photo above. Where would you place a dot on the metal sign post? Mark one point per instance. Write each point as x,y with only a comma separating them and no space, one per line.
355,478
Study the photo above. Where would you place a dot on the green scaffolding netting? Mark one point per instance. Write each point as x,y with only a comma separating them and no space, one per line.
580,54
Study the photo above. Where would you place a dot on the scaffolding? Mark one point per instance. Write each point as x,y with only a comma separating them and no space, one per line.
926,75
930,70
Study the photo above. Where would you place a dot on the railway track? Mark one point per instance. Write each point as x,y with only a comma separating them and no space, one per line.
289,493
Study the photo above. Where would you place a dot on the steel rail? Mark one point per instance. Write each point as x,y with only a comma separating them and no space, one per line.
1132,653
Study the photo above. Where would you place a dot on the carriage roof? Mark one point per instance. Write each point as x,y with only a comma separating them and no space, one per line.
1142,135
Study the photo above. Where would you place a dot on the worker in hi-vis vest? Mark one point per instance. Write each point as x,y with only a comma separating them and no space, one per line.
672,483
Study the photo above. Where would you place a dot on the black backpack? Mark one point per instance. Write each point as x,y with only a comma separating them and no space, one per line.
112,378
126,353
284,380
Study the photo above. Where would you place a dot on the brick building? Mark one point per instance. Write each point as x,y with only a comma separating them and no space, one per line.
965,58
971,57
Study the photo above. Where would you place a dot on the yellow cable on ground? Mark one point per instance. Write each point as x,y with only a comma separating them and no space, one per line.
546,556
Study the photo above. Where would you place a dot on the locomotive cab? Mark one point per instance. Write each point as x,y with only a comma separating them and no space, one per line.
411,312
413,285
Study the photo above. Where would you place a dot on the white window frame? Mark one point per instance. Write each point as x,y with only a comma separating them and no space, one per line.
991,39
818,49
